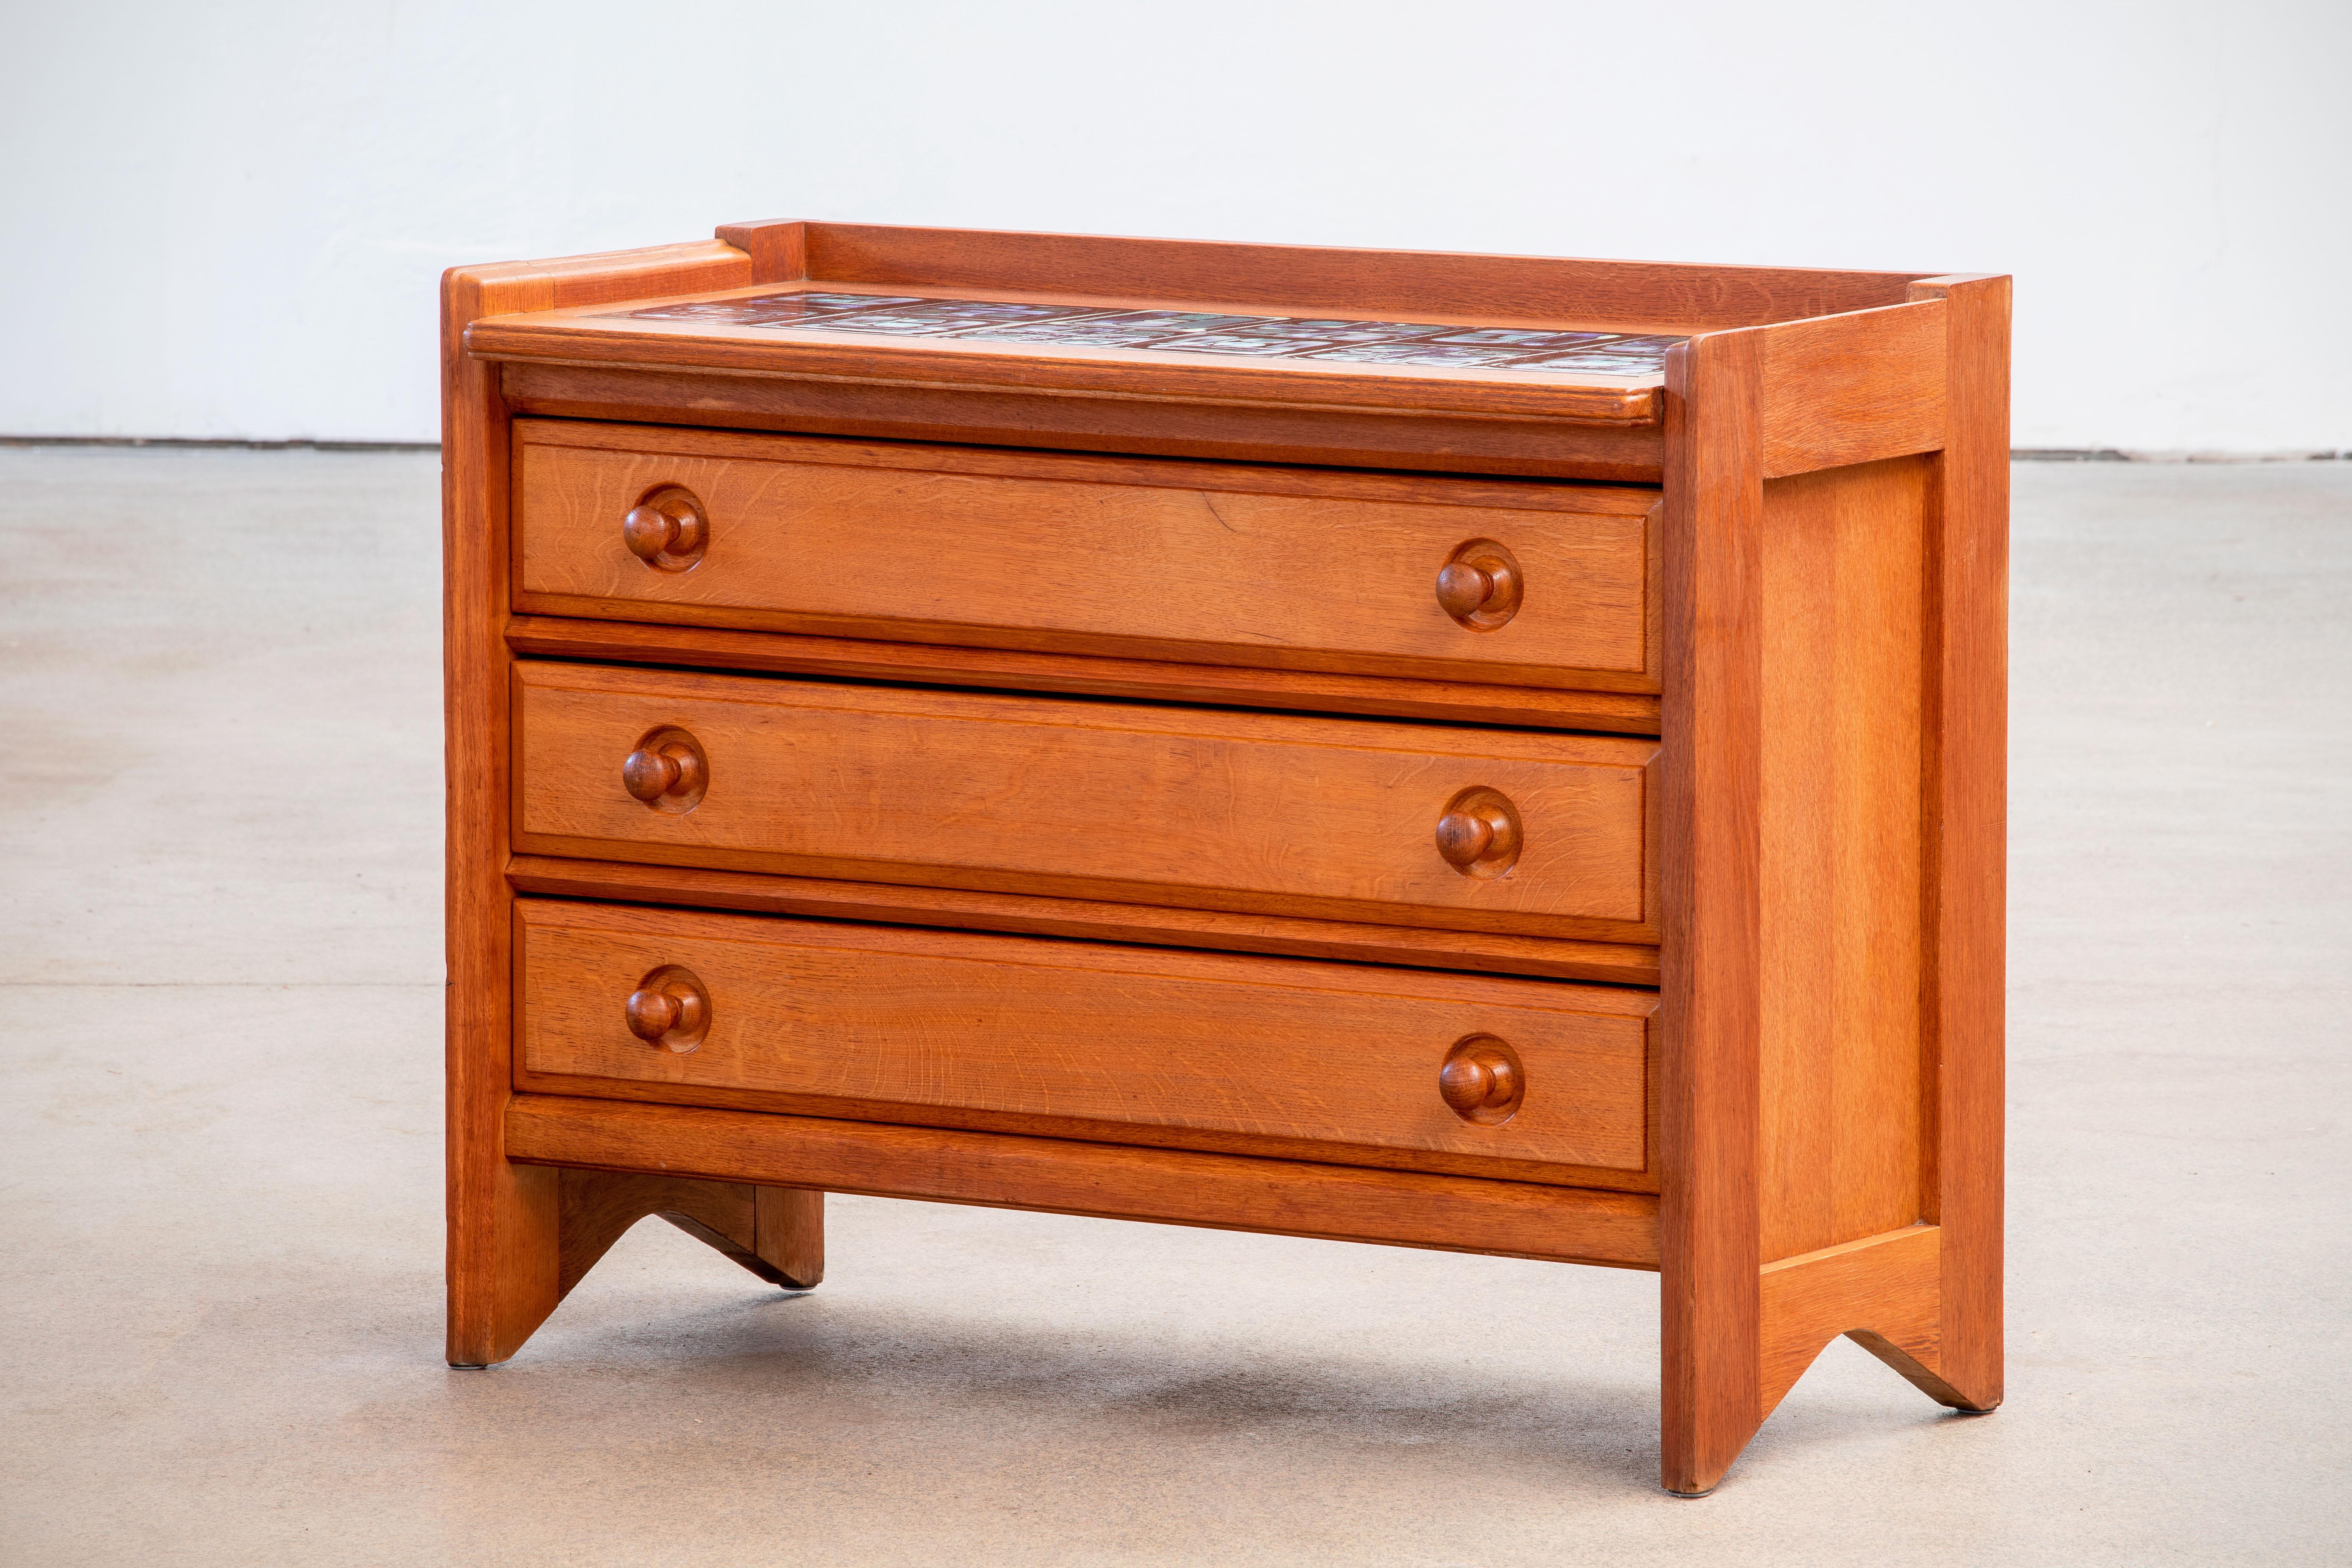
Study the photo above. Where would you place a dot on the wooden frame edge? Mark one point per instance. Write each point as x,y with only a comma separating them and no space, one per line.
1167,1186
1543,958
1710,959
1967,819
502,1259
1631,713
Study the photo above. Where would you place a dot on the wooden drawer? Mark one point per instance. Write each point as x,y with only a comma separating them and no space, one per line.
1289,568
1087,1040
1270,814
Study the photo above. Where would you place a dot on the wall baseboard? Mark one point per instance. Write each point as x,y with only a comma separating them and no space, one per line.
2116,455
196,441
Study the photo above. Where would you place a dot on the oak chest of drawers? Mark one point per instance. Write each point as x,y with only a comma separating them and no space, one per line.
1491,754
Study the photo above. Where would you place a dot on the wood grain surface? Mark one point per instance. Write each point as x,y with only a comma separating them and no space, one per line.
998,613
1318,280
1880,1290
1853,389
1843,593
1968,767
1401,1208
1329,818
1490,953
1291,568
891,1023
785,653
503,1226
1711,960
850,400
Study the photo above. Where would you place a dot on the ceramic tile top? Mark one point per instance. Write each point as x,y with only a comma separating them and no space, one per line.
1188,331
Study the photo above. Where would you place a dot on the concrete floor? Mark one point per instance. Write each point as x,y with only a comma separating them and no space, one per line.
220,1141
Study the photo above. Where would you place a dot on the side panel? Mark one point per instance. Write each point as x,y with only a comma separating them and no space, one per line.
1844,592
1833,760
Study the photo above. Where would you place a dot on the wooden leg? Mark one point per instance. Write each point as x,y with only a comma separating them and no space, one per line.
1708,1403
544,1228
788,1225
503,1252
1883,1292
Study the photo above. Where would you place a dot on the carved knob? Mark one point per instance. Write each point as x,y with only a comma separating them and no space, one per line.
1473,1083
1463,589
1479,834
1462,837
667,529
1482,1080
1479,584
667,770
670,1009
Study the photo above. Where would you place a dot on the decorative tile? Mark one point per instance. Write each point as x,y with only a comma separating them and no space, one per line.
1452,356
1136,328
1116,330
1651,344
933,318
770,310
1309,334
1597,362
1522,350
1069,334
1235,343
1521,342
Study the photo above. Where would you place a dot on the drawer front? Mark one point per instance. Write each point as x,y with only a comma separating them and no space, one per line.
1269,814
1080,1038
1298,569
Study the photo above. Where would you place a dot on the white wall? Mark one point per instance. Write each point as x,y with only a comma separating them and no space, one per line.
228,222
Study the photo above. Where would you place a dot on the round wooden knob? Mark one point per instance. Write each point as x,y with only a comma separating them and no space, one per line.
650,775
665,529
670,1009
1479,834
1476,1083
1462,837
1463,589
667,770
1479,584
1482,1080
651,1014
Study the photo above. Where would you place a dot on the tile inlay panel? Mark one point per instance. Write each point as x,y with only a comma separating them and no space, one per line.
1188,331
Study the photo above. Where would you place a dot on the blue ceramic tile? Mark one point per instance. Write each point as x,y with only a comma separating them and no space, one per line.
1521,341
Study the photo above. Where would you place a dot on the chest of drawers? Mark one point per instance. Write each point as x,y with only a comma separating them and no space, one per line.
1488,754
